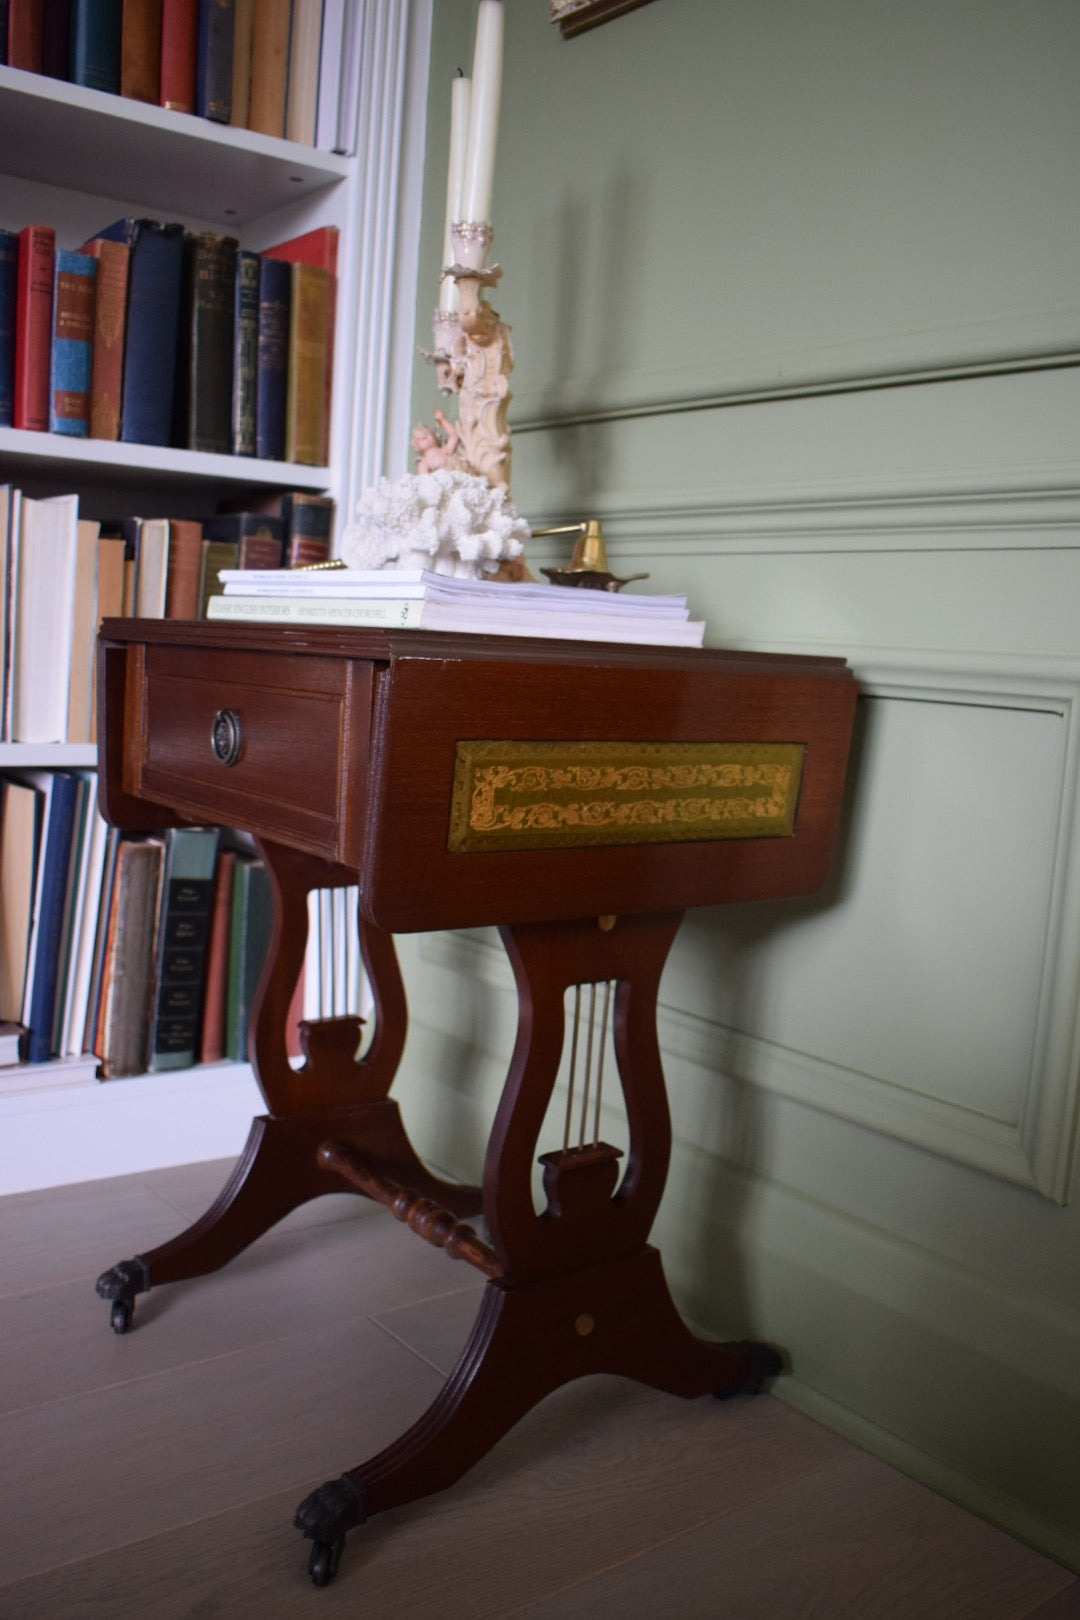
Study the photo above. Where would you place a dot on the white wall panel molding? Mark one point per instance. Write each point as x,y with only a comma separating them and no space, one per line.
1020,1126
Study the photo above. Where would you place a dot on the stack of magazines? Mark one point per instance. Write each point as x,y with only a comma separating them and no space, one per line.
402,598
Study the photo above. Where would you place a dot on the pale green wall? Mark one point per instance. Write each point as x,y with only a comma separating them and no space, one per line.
794,300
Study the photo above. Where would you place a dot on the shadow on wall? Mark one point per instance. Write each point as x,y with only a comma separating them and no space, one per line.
721,1139
594,268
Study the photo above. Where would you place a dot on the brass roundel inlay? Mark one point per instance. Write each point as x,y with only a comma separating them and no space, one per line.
584,1325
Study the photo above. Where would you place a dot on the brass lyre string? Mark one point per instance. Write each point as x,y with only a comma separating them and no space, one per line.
573,1068
587,1091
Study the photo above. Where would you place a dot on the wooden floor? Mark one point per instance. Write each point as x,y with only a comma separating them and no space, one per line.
156,1474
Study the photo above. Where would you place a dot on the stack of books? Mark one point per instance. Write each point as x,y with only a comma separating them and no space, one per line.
152,334
389,598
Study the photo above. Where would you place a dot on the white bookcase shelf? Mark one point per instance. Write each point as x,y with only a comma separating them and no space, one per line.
156,159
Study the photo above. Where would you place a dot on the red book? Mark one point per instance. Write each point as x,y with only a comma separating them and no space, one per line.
182,578
33,326
179,54
24,35
107,360
212,1044
320,248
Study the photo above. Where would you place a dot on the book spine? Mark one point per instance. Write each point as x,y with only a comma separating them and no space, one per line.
389,613
179,54
182,578
309,522
3,30
269,66
123,1024
216,555
249,940
302,95
9,292
245,353
33,326
203,415
57,857
212,1041
72,343
107,367
24,35
181,944
140,51
305,399
95,44
56,39
214,60
317,247
150,332
241,65
275,297
331,61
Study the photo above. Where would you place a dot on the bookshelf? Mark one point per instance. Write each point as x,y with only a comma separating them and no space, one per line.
76,159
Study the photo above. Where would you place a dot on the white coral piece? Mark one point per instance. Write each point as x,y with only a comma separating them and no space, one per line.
446,522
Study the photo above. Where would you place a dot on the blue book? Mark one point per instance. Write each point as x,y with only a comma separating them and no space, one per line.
9,275
214,64
72,347
275,298
95,44
49,921
151,327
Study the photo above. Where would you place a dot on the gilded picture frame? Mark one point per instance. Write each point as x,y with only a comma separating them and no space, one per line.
575,16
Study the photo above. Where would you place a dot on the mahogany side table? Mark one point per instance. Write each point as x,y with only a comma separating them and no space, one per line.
580,796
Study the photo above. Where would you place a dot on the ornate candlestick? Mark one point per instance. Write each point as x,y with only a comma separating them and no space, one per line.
473,358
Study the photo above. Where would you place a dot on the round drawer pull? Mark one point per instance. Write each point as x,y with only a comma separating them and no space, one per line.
226,736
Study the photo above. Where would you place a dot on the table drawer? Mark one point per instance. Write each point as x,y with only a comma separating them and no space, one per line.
253,741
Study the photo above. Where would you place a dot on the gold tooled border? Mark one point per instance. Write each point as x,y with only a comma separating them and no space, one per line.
566,795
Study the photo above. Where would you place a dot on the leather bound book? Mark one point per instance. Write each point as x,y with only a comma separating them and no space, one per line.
275,295
306,426
72,343
212,1040
9,285
179,54
215,555
258,536
184,566
33,326
84,624
150,327
245,353
214,60
243,13
95,44
124,1012
270,24
309,525
24,35
140,51
107,360
202,418
56,39
319,247
182,938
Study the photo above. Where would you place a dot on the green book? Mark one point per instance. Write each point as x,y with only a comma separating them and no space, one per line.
249,941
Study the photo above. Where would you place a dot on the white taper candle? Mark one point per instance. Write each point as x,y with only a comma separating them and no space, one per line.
483,112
